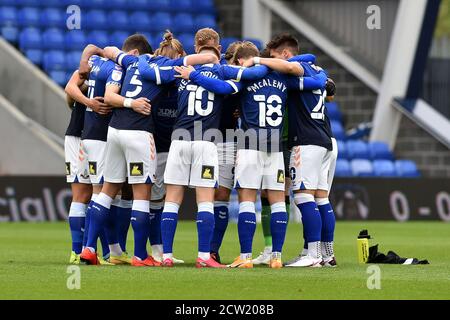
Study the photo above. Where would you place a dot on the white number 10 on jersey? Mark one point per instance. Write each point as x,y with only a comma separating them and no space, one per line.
195,101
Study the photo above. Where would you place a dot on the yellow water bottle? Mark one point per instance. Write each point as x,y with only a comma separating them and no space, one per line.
363,246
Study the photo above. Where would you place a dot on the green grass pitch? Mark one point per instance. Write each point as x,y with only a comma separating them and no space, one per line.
33,265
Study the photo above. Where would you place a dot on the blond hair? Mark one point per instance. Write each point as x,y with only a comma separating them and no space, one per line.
170,47
245,49
207,39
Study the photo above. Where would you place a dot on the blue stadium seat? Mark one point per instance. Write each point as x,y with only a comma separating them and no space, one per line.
52,17
343,168
183,22
99,38
225,42
119,21
187,39
141,21
59,77
54,39
73,60
342,150
95,20
205,5
380,150
333,111
362,168
117,38
29,3
141,4
30,38
258,43
118,4
95,4
154,39
8,16
11,34
29,17
406,169
338,130
181,6
57,3
357,149
8,3
75,40
53,60
205,21
162,22
35,56
384,168
159,5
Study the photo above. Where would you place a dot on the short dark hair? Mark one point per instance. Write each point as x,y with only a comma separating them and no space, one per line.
330,87
139,42
265,53
284,41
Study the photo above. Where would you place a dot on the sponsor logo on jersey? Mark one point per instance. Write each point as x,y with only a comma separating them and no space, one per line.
67,168
93,168
280,176
208,172
136,169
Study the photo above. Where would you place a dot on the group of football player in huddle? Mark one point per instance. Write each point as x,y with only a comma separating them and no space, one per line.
147,124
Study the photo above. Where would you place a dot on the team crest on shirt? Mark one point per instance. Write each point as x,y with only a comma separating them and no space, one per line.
93,168
136,169
67,168
280,176
208,172
116,75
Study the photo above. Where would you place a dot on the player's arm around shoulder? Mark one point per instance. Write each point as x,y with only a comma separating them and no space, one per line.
89,55
293,68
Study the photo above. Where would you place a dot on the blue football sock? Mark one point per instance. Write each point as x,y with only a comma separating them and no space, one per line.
87,221
246,226
205,226
140,221
328,219
77,214
220,225
155,225
312,222
99,211
278,225
111,225
169,219
123,223
104,242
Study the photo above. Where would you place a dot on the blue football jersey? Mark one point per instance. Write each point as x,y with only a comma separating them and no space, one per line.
164,114
103,72
198,106
307,122
138,84
75,127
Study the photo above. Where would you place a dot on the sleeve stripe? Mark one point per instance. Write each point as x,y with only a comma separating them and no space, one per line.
120,58
301,83
239,75
233,85
185,61
158,76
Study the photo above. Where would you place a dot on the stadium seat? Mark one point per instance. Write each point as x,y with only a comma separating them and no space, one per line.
205,6
162,22
333,111
258,43
205,21
73,60
141,21
29,17
54,39
117,38
99,38
380,150
154,39
338,130
342,150
8,16
75,40
95,20
141,4
59,77
57,3
53,60
406,169
120,21
8,3
225,42
183,22
187,39
11,34
343,168
158,5
118,4
95,4
35,56
357,149
362,168
52,18
29,3
181,6
384,168
30,38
